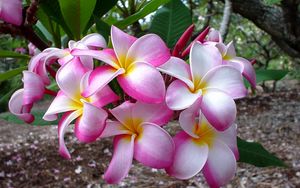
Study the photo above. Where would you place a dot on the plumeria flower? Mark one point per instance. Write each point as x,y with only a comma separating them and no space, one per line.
201,147
242,64
72,80
40,62
207,80
36,78
138,135
230,58
22,100
92,41
11,11
33,50
133,61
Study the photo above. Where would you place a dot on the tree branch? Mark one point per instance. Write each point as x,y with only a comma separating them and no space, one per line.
273,20
226,19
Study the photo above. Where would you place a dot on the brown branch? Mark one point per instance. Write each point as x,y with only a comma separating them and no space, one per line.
273,20
26,29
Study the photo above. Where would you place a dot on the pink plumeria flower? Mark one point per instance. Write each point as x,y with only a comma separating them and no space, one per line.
138,135
207,80
11,11
33,50
92,41
72,80
39,63
22,100
35,80
37,75
133,61
201,147
230,58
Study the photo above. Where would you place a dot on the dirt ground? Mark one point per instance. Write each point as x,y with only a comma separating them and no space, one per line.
29,157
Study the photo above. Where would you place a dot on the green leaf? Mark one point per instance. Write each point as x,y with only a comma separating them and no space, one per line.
147,9
255,154
4,54
38,121
272,2
102,28
76,14
171,21
101,8
52,9
11,73
265,75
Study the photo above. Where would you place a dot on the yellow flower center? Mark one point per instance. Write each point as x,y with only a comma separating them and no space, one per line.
134,125
206,134
198,85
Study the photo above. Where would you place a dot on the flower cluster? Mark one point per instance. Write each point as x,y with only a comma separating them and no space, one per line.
202,91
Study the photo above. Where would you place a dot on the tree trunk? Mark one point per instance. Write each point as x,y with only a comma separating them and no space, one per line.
282,22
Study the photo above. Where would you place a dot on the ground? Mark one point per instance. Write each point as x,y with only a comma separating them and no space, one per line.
29,157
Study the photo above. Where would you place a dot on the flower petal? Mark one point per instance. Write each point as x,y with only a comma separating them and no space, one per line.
230,52
121,42
218,108
154,147
248,70
11,11
150,49
63,123
189,157
99,78
121,161
100,98
62,56
38,66
103,97
107,55
91,124
179,69
179,96
220,166
222,48
15,107
214,36
228,137
203,57
61,103
188,118
227,79
113,128
143,82
158,114
123,112
94,40
69,77
33,87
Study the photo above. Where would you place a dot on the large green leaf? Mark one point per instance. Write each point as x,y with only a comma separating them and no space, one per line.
171,21
101,8
38,121
76,14
52,9
265,75
255,154
11,73
4,54
103,28
147,9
